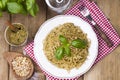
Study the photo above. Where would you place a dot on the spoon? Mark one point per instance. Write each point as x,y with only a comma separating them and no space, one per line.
12,28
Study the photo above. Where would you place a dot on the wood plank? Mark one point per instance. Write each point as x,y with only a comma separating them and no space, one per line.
81,77
32,24
108,68
3,48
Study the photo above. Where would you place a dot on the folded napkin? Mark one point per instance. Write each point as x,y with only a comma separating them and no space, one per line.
100,19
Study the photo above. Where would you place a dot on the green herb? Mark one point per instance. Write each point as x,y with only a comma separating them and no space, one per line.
19,7
14,0
30,4
79,43
20,1
59,53
64,49
63,39
4,3
67,50
1,6
14,7
33,11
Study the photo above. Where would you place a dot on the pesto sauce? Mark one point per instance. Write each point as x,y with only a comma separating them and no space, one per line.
18,37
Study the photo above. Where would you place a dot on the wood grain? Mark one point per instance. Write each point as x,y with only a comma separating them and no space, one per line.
106,69
3,48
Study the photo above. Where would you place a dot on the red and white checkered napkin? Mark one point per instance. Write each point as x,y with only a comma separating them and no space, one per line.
100,19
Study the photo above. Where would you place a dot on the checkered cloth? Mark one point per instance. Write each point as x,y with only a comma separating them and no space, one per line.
101,20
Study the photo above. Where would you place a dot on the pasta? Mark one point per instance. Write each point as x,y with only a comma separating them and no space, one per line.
51,42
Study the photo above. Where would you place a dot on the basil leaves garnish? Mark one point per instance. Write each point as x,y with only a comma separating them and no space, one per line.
64,49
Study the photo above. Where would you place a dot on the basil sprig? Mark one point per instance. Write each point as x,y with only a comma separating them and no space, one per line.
64,49
59,53
14,8
19,7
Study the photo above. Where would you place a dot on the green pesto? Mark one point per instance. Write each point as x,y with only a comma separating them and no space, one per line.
18,37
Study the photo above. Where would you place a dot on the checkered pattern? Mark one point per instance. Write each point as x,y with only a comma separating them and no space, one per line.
100,19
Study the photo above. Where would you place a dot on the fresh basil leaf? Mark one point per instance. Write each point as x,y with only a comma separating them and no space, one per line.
14,7
4,3
13,0
1,6
63,39
36,8
67,50
20,1
30,4
78,43
33,11
59,53
0,10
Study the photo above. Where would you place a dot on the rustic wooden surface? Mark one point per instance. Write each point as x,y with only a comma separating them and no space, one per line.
107,69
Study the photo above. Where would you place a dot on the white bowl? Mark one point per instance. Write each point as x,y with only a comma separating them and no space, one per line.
51,69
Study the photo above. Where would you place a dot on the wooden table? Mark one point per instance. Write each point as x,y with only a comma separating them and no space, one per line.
107,69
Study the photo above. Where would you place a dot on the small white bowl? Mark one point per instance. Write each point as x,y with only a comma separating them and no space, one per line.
11,44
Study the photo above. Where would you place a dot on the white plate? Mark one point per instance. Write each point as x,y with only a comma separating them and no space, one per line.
44,31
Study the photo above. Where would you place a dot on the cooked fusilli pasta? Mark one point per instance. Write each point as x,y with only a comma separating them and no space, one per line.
71,32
